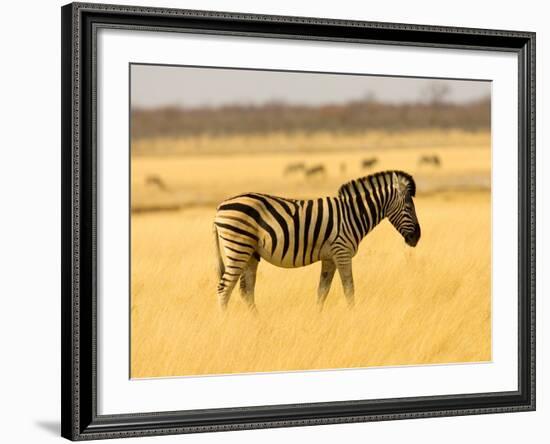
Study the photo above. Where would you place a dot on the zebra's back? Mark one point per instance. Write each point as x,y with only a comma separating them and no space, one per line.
285,232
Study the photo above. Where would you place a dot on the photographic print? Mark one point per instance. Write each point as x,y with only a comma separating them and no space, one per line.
291,221
273,221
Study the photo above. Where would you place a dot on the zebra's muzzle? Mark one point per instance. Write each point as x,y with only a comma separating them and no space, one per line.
413,238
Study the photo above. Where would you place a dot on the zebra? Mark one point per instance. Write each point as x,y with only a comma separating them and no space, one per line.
293,233
294,167
433,159
371,161
316,170
156,181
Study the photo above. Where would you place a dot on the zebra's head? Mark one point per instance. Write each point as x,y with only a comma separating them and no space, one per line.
401,211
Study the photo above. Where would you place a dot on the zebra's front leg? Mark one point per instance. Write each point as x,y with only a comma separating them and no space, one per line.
248,282
346,275
327,273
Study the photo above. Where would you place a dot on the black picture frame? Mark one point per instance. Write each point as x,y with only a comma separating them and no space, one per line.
80,420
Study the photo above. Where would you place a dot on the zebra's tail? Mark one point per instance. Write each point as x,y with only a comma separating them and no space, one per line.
219,261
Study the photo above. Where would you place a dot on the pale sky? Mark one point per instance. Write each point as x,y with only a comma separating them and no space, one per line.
155,86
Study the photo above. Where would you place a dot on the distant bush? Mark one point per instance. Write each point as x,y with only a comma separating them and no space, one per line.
351,117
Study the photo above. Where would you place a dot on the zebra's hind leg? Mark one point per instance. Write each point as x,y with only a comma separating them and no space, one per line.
248,281
233,271
344,269
327,273
225,288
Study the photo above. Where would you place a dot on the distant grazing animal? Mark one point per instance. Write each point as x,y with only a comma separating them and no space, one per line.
294,167
430,160
370,162
316,170
293,233
156,181
343,168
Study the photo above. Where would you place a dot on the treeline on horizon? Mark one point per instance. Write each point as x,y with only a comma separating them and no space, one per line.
280,117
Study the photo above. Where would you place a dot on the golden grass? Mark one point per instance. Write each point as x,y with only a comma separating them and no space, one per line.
208,179
426,305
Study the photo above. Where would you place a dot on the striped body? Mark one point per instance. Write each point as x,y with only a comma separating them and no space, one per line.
293,233
285,232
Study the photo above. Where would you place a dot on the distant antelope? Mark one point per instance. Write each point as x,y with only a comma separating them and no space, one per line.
155,181
294,168
370,162
343,168
292,233
316,170
430,160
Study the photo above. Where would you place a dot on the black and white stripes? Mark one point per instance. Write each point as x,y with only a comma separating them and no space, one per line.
293,233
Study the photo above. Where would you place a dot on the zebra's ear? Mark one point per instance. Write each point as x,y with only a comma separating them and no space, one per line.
395,182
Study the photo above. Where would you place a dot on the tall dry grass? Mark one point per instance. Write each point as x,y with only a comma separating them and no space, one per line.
427,305
208,179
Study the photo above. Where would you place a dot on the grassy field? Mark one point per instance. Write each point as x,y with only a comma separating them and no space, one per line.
430,304
192,180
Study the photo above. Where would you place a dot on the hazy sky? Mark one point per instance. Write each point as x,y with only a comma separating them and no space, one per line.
153,86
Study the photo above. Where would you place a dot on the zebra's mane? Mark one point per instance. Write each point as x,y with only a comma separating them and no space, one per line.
349,186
